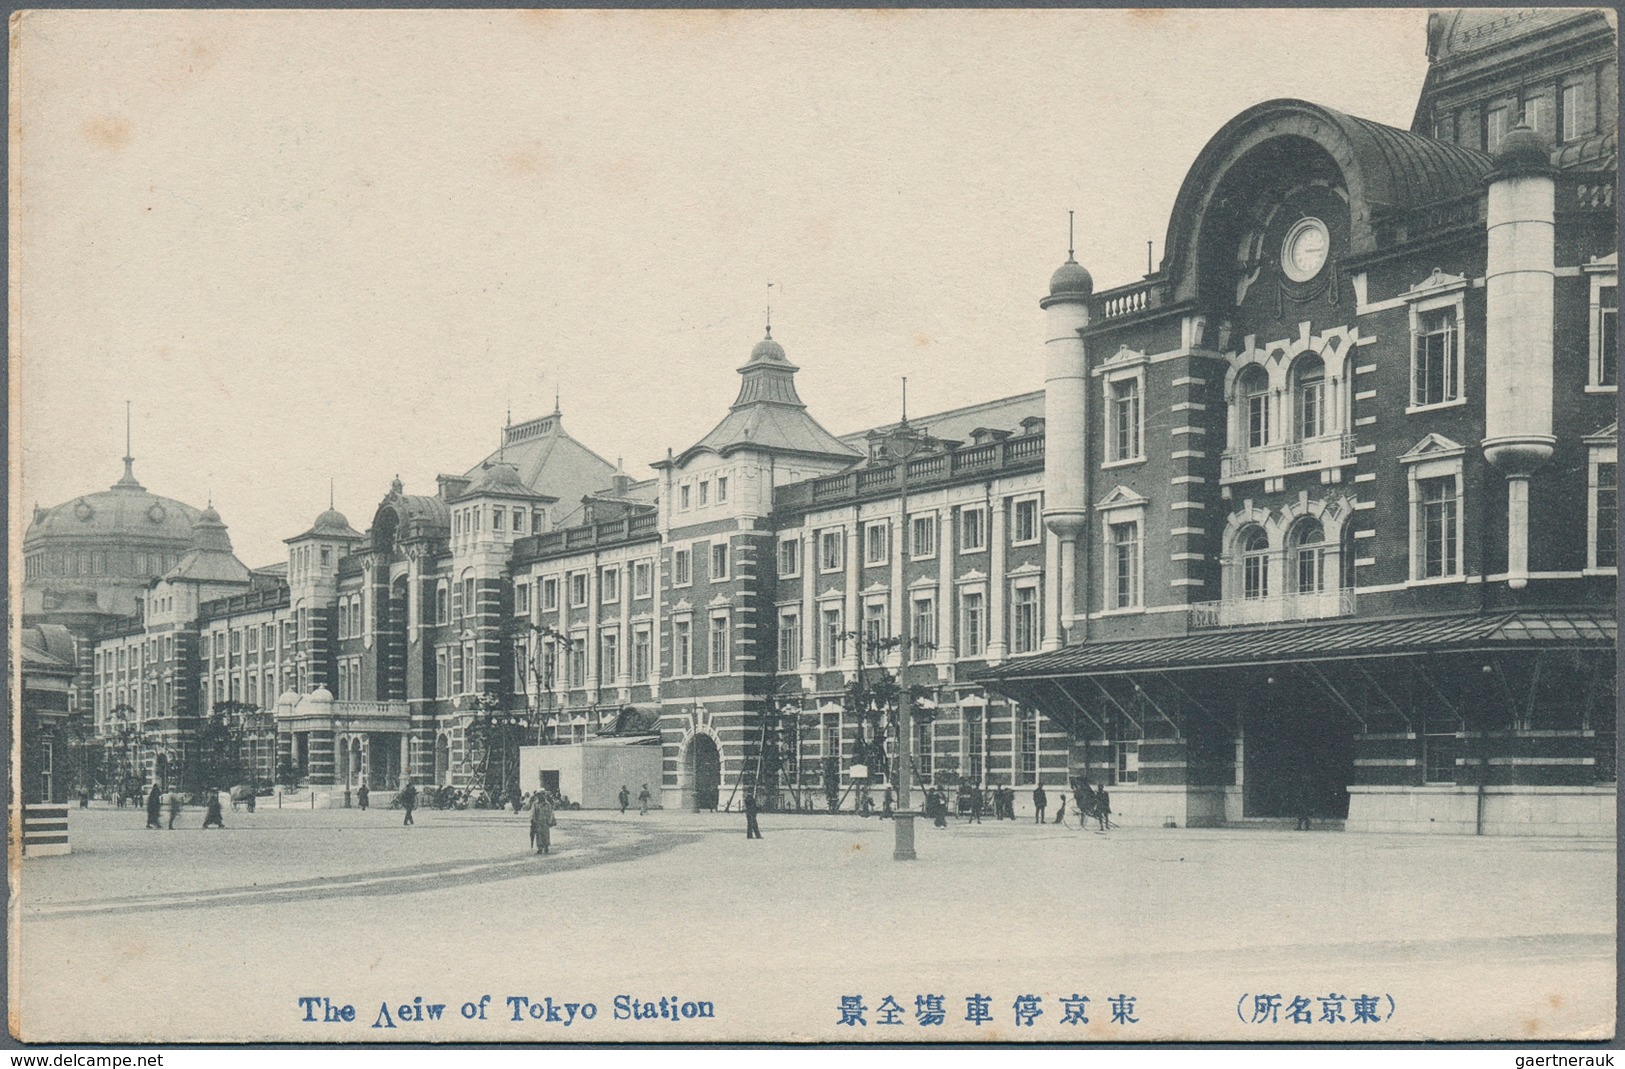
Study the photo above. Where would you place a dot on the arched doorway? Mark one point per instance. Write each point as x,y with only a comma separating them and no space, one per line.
704,768
160,771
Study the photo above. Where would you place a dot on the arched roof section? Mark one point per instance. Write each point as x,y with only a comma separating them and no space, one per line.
405,518
1383,168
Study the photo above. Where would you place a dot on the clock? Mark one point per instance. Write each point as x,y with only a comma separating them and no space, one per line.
1303,252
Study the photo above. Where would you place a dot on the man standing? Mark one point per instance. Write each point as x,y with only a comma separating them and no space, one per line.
1103,808
1040,803
174,808
541,823
643,801
626,799
213,818
361,796
975,806
154,801
751,830
409,801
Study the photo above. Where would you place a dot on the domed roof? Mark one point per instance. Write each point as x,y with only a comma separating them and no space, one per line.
768,350
1523,151
1071,280
331,518
498,479
330,524
126,511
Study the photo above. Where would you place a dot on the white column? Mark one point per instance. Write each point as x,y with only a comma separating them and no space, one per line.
1053,638
592,630
998,648
623,674
899,595
854,604
810,622
945,592
657,624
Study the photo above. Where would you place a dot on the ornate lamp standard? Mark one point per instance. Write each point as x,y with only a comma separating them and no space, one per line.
903,444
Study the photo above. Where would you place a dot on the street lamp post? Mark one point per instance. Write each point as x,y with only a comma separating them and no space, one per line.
902,445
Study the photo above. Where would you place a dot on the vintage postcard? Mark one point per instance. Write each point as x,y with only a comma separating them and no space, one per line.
837,526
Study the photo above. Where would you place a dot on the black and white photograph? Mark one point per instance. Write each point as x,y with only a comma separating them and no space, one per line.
813,526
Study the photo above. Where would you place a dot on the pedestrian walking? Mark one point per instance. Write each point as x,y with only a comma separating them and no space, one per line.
361,796
1060,811
1103,808
174,800
626,798
643,801
1009,803
213,818
1040,803
155,801
409,801
542,821
888,805
752,831
976,807
939,803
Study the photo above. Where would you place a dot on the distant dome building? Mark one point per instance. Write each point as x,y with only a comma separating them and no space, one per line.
89,559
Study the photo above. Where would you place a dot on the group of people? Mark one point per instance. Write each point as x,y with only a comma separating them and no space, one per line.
1088,801
644,798
158,803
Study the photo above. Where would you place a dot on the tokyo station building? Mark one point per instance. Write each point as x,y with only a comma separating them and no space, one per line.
1317,519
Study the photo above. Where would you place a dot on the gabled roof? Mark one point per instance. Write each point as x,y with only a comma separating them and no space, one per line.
548,461
956,424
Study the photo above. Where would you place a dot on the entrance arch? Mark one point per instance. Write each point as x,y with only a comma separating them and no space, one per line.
702,772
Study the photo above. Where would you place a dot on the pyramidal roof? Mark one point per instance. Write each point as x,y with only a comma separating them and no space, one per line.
547,461
211,559
769,415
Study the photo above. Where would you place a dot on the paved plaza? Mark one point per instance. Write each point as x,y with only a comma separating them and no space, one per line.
217,935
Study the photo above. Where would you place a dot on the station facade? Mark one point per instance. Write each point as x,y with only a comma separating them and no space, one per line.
1318,520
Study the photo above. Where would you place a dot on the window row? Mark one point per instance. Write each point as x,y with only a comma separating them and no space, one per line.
702,493
39,565
1564,110
514,520
872,640
875,541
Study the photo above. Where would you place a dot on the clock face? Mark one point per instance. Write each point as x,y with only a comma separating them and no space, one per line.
1304,251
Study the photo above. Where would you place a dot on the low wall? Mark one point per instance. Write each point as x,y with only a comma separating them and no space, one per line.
1566,811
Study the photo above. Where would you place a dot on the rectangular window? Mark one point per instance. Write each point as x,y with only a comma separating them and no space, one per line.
972,623
521,667
1434,369
1128,762
1027,744
975,749
578,659
578,589
719,562
1124,426
1439,756
682,567
789,558
498,515
789,640
1258,413
1440,532
521,599
874,543
829,550
1123,587
1578,111
1537,114
874,631
1606,535
682,648
642,652
1495,127
705,493
468,600
643,579
609,655
609,585
1024,525
1606,361
829,639
972,529
327,556
683,498
1024,622
924,626
924,755
923,537
1309,400
719,645
722,489
550,594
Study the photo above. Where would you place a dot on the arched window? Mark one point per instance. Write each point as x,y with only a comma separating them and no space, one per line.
1345,561
1253,389
1308,554
442,603
1255,564
1309,397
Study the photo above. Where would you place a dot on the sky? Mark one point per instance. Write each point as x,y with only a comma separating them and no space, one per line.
346,244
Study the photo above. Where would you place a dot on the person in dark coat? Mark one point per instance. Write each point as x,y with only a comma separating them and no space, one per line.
644,798
1103,808
976,806
213,817
542,821
409,801
625,798
155,802
752,831
888,804
1060,811
1040,803
937,802
361,796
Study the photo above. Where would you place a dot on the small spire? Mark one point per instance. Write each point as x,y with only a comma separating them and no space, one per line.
905,400
770,309
129,459
556,409
329,492
1070,254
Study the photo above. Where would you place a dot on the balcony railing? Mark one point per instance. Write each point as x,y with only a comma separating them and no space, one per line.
352,711
989,457
1282,457
1283,608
